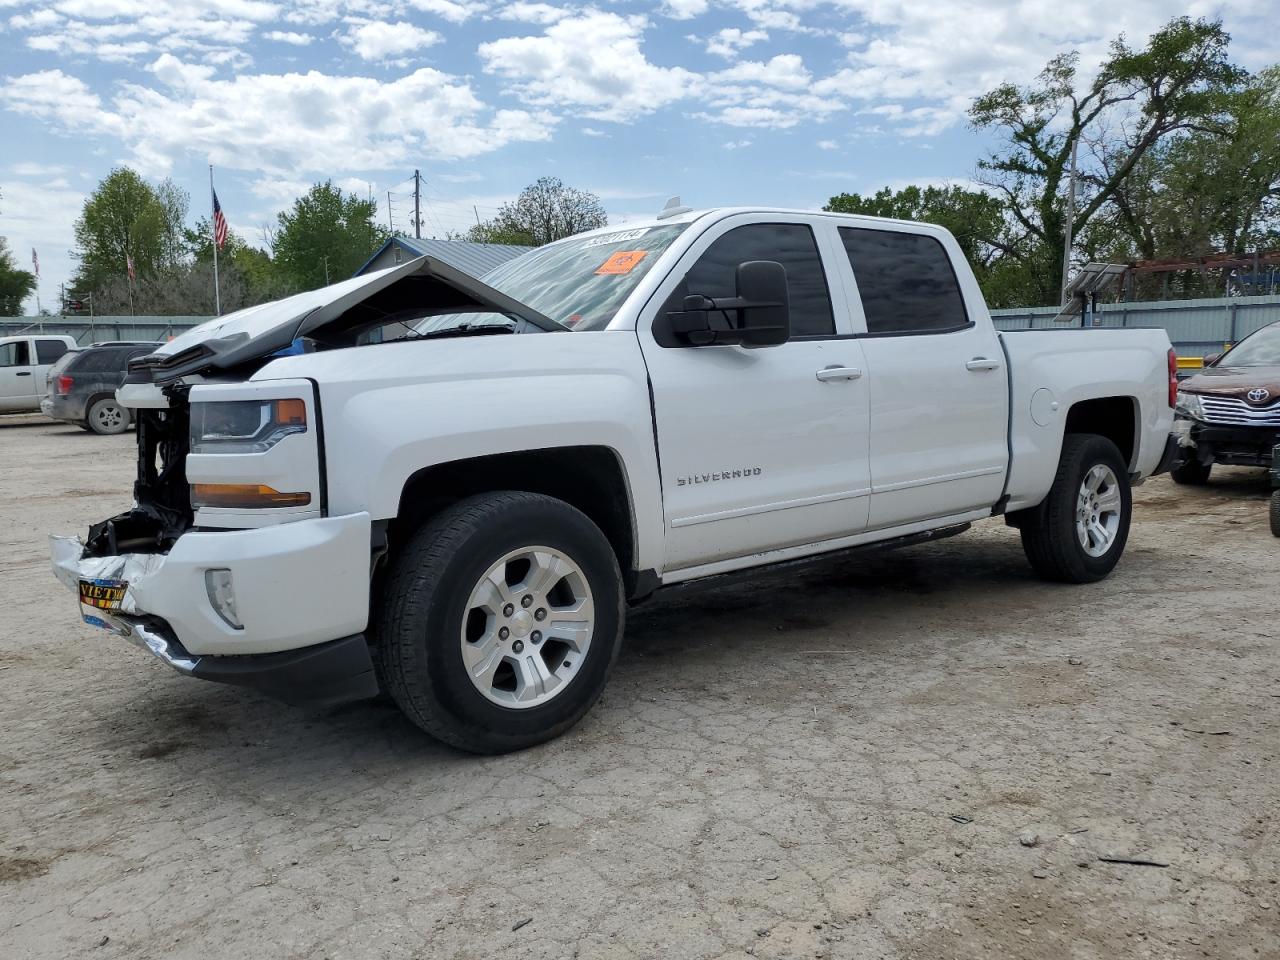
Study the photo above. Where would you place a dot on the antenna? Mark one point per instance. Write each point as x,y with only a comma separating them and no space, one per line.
673,209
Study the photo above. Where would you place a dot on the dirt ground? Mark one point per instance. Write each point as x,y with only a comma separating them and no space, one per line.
920,754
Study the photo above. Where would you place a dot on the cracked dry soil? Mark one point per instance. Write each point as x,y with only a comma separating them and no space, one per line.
844,761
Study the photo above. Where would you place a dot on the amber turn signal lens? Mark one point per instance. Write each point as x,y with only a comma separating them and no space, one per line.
290,412
244,495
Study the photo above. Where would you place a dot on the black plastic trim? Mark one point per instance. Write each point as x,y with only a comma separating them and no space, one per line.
322,464
323,675
1172,454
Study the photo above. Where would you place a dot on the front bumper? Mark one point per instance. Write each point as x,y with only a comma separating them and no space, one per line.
323,675
1241,446
296,584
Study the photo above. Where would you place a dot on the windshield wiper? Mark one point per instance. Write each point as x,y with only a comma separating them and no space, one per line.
461,330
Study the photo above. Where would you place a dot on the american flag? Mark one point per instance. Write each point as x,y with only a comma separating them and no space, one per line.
128,265
35,261
219,223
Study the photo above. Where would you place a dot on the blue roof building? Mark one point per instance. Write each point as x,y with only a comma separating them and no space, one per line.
476,259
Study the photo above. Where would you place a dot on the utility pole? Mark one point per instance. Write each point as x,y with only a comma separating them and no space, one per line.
417,199
476,211
390,226
1071,213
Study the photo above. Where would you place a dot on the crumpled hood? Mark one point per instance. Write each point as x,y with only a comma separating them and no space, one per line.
269,327
1228,381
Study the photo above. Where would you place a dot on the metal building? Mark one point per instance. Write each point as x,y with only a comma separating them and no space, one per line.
476,259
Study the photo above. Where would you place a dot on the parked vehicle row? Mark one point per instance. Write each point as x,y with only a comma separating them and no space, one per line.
50,373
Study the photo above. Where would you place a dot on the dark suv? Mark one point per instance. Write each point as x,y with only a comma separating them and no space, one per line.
82,386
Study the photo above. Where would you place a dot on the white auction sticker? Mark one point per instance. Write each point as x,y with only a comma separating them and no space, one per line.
615,238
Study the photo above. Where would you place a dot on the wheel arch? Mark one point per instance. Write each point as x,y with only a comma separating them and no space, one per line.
1117,418
591,478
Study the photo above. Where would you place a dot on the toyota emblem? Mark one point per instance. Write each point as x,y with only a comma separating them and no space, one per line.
1258,394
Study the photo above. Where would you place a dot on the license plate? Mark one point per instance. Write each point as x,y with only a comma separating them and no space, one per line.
103,594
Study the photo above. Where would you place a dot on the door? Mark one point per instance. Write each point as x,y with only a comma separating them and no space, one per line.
47,352
759,448
939,394
17,376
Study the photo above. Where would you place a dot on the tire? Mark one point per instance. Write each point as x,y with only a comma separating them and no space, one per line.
1052,532
431,619
1275,514
1191,473
107,417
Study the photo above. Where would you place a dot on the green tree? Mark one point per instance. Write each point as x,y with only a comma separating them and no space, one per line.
325,237
1207,191
15,285
125,217
1181,80
975,219
545,211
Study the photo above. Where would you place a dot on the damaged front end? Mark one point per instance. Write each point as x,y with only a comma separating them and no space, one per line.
162,503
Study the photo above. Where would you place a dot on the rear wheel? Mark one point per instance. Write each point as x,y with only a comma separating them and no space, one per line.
106,416
502,618
1191,473
1275,513
1077,534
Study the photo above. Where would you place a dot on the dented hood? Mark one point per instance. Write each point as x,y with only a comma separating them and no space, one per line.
262,330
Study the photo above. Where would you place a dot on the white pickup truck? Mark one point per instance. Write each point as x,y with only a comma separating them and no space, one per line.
453,488
25,362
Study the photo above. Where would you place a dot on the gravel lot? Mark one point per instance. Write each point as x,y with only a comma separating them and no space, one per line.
915,754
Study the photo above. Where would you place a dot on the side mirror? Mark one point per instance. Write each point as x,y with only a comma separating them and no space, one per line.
1211,358
759,316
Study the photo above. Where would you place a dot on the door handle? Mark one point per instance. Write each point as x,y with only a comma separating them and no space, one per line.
23,373
837,372
982,363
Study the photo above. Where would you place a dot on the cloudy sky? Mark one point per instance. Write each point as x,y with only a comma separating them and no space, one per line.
779,102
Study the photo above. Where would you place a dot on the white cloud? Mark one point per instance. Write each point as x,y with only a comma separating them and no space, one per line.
290,37
527,12
281,125
730,41
737,144
374,40
592,61
448,9
828,145
593,132
685,9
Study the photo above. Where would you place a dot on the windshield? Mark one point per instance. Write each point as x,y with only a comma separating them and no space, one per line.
580,282
1262,349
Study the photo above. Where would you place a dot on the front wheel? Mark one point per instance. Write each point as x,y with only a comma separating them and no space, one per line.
501,620
1077,534
1191,473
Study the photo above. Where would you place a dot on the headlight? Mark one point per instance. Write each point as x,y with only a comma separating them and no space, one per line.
244,426
1189,405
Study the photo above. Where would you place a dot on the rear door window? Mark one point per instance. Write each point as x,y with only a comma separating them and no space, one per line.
48,351
905,281
103,360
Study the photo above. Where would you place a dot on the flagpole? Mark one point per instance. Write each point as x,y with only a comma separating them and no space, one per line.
213,235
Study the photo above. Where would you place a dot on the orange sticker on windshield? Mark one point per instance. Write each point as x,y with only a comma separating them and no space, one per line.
624,261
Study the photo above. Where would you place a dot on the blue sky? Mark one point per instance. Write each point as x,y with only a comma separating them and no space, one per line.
778,102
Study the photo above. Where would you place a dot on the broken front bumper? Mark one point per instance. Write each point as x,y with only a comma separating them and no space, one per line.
301,593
